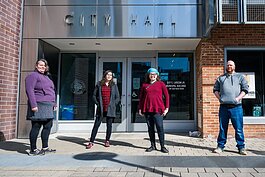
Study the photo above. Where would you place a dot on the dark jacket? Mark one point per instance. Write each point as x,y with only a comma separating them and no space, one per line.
114,100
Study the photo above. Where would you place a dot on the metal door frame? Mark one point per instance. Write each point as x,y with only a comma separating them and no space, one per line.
135,126
120,127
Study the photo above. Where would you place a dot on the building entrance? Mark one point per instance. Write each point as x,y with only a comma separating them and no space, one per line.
81,71
129,74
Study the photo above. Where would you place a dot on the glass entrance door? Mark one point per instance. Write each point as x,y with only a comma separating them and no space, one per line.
129,80
136,74
117,66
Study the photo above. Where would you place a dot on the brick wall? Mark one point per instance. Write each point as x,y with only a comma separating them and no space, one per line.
9,59
210,64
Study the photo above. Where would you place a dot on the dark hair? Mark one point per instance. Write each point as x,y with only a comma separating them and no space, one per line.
147,79
103,80
46,72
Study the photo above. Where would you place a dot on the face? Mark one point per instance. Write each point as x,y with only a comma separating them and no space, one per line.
109,76
152,76
230,67
41,67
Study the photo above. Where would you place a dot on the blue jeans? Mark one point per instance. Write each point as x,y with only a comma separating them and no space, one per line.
236,116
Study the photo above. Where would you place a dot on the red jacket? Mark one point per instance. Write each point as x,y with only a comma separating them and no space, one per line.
151,97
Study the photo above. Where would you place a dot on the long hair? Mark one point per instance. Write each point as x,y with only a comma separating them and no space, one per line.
46,72
147,79
103,80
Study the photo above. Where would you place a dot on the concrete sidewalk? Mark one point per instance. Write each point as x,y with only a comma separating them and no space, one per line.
188,156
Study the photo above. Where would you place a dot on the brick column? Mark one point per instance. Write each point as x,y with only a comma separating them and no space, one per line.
9,64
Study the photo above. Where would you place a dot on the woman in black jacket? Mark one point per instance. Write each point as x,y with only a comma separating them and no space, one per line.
106,96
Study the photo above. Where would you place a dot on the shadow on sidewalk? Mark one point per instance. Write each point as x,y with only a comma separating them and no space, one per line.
95,156
174,143
76,140
14,146
256,152
82,141
120,143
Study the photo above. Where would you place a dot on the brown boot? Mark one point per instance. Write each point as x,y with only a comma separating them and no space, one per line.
90,145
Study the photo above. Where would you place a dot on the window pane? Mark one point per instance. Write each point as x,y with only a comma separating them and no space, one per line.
176,70
255,10
77,85
230,10
251,62
138,75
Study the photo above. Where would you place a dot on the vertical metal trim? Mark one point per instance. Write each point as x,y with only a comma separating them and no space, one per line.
195,91
220,11
245,19
225,58
19,65
58,92
240,11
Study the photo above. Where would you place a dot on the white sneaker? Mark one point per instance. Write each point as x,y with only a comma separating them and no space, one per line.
242,151
218,150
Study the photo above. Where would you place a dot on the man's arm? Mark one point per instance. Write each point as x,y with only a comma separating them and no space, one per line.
217,95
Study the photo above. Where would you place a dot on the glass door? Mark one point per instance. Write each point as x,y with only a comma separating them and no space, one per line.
137,68
117,65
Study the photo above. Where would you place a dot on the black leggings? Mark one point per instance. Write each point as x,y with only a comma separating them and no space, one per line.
36,125
152,120
97,124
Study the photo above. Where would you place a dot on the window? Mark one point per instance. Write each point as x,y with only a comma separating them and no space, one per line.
76,86
251,62
176,71
241,11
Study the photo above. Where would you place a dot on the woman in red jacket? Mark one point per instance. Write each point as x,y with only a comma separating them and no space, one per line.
152,106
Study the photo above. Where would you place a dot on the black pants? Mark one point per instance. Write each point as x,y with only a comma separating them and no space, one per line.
97,124
153,119
36,125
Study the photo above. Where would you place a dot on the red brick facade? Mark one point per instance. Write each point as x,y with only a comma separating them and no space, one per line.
210,64
10,17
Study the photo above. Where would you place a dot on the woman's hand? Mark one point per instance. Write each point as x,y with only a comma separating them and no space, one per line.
165,112
140,112
35,109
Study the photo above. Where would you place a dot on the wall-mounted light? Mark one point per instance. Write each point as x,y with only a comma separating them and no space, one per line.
149,43
97,43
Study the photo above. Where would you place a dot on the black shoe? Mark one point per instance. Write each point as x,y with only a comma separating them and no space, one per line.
48,150
36,152
164,150
151,148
